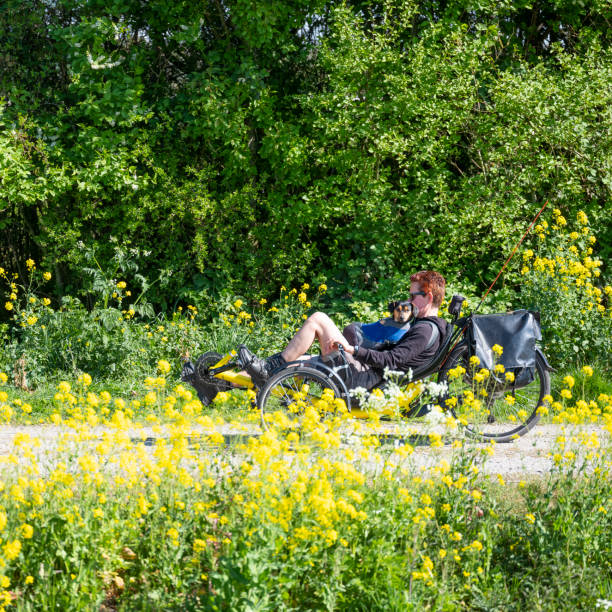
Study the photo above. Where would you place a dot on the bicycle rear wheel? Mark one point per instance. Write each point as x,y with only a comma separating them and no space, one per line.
492,408
295,389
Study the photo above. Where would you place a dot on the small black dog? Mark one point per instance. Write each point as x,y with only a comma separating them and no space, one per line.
402,311
385,332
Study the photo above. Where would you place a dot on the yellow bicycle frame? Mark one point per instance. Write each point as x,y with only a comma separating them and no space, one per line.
244,380
235,378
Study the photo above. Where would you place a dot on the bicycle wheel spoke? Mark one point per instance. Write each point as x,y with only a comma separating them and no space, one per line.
293,391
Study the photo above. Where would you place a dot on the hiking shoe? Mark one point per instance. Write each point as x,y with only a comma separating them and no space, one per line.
258,369
255,367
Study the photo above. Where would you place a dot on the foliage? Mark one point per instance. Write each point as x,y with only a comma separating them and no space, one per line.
246,146
113,332
113,339
294,517
561,279
120,337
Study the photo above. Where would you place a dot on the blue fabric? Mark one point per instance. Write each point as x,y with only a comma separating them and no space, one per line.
377,332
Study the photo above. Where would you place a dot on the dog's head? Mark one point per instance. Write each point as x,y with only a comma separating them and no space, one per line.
402,310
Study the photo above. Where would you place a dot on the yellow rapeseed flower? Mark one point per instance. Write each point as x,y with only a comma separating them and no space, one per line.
198,545
163,366
427,565
172,533
12,549
587,370
64,387
84,379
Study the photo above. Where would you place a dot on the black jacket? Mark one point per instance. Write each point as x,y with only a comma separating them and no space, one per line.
409,352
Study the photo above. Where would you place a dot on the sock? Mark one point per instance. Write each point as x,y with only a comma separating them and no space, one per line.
275,362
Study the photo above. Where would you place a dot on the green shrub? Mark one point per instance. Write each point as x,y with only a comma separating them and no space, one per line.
561,279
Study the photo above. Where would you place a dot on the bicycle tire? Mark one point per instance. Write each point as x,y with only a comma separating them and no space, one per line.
497,418
292,390
207,386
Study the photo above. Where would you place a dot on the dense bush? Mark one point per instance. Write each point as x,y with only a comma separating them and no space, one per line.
244,146
120,338
561,280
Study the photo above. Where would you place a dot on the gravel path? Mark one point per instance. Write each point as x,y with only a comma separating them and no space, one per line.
528,455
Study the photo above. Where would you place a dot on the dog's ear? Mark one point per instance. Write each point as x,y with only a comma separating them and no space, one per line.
391,306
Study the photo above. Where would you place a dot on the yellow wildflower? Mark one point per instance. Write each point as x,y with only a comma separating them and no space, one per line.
163,366
569,381
12,549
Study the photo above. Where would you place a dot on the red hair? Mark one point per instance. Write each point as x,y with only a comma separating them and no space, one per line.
433,282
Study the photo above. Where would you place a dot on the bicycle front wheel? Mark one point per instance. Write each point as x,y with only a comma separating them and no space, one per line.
293,391
490,407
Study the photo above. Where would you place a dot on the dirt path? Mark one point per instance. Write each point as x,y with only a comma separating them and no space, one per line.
528,455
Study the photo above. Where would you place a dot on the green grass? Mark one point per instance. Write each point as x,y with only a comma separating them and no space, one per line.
591,386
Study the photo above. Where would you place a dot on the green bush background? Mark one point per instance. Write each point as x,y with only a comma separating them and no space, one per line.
241,145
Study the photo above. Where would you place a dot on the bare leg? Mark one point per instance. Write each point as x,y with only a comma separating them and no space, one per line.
319,327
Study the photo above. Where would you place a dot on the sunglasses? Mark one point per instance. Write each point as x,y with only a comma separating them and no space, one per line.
413,295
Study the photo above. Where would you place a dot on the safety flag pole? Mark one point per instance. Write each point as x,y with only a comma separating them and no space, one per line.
511,255
461,332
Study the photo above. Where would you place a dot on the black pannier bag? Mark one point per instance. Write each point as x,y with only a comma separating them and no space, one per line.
516,332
